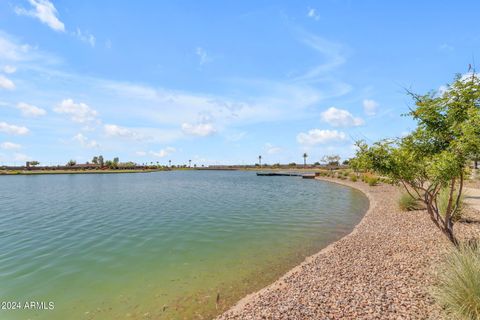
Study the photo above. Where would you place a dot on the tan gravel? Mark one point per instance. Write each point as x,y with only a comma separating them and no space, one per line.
382,270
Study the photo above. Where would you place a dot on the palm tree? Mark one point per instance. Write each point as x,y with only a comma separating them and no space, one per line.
305,155
260,160
189,163
169,163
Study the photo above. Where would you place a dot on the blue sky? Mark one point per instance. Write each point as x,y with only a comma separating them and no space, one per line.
219,81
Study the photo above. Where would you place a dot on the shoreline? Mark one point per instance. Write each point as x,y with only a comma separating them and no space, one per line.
280,281
53,172
313,289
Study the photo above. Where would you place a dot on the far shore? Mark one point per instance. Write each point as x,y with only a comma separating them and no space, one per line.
45,172
155,169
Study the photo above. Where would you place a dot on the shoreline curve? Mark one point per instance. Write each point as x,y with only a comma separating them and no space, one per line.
382,269
279,282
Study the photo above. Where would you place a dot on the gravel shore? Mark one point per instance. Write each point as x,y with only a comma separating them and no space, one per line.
382,270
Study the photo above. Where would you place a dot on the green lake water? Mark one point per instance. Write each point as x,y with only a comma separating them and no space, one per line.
161,245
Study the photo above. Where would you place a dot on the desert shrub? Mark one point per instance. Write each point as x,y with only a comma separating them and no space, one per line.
408,203
458,287
353,177
370,178
389,181
442,201
373,181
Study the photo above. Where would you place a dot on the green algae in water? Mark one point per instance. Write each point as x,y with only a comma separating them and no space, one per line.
159,245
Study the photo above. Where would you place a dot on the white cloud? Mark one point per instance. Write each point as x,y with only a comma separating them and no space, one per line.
79,112
370,107
44,11
13,51
202,55
86,37
317,136
466,77
13,129
312,13
271,149
235,137
6,83
333,53
113,130
85,142
267,101
9,69
29,110
340,118
10,146
163,153
9,50
201,129
21,157
141,153
442,89
446,47
263,101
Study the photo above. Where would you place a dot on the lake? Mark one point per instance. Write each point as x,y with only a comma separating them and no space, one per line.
168,245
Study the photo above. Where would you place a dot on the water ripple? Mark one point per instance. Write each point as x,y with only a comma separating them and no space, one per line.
153,238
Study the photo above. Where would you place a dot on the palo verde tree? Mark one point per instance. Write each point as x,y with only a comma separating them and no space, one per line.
435,156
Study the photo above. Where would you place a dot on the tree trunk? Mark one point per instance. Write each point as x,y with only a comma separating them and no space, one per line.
445,225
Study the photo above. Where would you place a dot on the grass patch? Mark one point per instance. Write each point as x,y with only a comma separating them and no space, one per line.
458,288
442,201
370,178
372,181
408,203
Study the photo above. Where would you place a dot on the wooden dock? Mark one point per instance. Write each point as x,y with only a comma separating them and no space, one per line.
287,174
278,174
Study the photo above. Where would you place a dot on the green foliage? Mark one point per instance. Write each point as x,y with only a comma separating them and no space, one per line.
71,163
458,288
34,163
434,156
101,161
129,164
333,160
353,177
442,201
408,203
370,178
372,181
